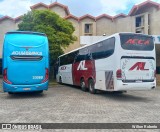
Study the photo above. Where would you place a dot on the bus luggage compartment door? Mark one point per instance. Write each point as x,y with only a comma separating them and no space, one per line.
140,69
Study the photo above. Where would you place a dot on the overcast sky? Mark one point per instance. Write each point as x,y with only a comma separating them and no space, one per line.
78,8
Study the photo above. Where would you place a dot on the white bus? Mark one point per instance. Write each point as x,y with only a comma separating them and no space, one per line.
121,62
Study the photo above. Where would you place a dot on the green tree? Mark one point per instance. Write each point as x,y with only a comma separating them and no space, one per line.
58,30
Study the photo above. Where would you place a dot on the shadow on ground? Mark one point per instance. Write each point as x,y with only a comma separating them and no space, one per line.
118,96
25,95
125,97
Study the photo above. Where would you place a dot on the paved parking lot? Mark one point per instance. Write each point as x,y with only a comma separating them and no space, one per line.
66,104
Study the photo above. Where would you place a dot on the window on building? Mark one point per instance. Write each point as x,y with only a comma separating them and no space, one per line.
88,28
141,30
139,24
139,21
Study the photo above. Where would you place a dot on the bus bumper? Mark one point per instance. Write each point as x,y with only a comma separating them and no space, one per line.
134,86
24,88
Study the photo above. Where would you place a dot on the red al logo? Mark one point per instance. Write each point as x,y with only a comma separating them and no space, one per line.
81,66
139,66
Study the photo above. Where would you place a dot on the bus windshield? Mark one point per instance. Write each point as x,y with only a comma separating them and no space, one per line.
136,42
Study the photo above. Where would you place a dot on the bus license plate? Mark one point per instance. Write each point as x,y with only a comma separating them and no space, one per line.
26,89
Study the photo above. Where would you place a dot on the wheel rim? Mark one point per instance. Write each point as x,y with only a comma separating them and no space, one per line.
91,86
82,84
60,80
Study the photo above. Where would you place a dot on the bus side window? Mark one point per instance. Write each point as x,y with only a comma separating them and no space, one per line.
103,49
68,59
61,61
93,51
109,47
82,55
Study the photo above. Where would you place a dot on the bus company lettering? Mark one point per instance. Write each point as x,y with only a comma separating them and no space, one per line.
138,41
81,66
63,68
26,53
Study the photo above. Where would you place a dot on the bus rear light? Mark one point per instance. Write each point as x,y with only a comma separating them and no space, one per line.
5,78
119,73
46,76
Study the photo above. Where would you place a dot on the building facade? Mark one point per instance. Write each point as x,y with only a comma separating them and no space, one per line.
142,18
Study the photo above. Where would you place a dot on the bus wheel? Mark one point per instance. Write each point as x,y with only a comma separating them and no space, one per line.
119,92
10,93
60,80
82,85
92,90
39,92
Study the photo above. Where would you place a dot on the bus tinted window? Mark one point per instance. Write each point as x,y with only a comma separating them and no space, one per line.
82,55
136,42
102,49
68,59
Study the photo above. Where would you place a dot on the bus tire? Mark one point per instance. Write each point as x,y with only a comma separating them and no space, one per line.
10,93
119,92
39,92
92,89
60,80
82,85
